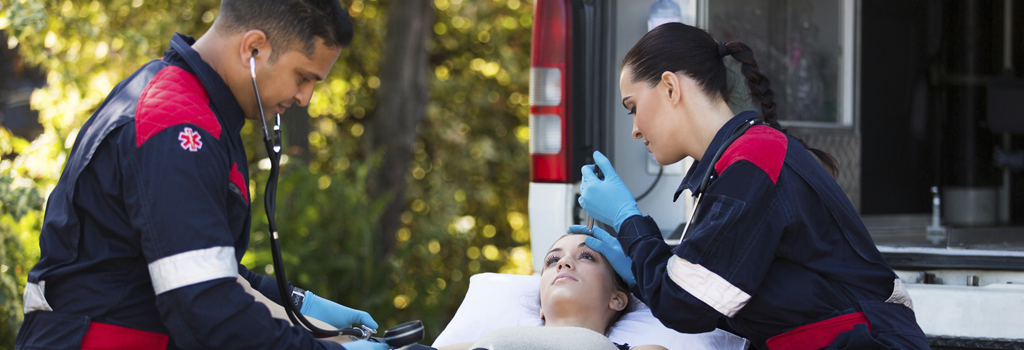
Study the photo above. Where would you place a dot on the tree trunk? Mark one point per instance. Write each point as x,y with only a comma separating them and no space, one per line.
401,104
296,124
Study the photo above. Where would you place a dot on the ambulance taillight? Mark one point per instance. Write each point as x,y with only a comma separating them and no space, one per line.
550,92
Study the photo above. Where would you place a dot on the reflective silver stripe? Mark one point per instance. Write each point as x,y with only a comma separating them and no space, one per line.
707,286
35,297
191,267
899,295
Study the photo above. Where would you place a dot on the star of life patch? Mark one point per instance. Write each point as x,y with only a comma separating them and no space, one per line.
190,140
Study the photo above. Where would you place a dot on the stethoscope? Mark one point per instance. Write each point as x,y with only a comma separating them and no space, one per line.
397,336
269,202
709,174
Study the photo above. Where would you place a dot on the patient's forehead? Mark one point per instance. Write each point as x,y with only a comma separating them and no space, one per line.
569,242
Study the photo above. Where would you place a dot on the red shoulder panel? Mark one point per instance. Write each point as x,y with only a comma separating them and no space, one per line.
237,179
761,145
173,97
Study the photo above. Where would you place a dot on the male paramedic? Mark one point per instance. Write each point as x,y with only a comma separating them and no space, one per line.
144,232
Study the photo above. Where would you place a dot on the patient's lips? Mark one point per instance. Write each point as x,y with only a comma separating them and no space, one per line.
564,276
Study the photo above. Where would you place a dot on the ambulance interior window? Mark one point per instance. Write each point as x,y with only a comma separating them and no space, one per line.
799,45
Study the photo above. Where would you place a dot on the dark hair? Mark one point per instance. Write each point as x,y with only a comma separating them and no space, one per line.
684,49
289,24
620,286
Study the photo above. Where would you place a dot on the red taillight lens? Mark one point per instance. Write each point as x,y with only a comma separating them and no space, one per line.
550,93
550,33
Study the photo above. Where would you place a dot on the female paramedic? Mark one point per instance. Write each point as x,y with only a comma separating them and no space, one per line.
776,252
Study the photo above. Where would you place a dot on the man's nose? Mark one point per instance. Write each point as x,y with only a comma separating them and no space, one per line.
303,96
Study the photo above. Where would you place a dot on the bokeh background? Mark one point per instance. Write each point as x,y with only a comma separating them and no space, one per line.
406,174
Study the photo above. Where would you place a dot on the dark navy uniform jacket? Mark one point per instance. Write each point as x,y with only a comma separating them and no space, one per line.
150,218
775,244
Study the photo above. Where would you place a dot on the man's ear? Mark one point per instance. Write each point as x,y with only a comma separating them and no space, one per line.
254,41
670,86
619,301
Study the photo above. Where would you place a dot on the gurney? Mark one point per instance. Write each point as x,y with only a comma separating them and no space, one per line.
496,301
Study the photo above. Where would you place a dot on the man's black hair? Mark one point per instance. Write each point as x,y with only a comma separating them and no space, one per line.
289,24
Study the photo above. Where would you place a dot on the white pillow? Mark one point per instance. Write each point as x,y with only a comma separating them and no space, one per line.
502,300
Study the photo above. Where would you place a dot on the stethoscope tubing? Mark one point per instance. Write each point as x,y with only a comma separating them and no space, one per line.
269,203
709,175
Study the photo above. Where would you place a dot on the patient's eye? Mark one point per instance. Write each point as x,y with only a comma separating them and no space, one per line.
632,111
587,255
551,260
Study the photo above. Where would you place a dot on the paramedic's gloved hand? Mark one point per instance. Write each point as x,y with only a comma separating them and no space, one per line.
609,200
333,313
365,345
604,243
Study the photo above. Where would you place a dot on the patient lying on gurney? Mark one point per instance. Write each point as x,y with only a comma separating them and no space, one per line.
581,298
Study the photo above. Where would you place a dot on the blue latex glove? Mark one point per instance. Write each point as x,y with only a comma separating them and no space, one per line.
365,345
604,243
609,200
333,313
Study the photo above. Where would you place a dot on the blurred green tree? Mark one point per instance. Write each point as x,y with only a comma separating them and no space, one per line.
402,102
463,209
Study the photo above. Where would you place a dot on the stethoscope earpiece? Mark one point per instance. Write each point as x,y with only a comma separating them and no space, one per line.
263,118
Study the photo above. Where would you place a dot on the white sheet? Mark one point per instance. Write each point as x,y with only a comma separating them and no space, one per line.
502,300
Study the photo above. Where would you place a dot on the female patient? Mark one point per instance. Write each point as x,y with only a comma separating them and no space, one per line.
581,298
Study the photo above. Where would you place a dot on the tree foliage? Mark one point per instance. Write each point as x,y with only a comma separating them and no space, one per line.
466,196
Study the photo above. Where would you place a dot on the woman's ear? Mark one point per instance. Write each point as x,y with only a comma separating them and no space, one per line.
619,301
670,85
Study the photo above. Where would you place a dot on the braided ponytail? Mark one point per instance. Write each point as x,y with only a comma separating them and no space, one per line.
684,49
761,93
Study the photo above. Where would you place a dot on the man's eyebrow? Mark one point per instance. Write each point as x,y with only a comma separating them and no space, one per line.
624,99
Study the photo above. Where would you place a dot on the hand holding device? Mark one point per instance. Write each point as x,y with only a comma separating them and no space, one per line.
333,313
607,200
609,246
365,345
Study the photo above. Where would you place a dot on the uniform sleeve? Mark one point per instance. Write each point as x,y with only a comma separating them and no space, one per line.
716,270
176,186
266,285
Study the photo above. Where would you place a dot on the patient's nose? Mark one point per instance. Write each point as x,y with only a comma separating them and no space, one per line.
564,263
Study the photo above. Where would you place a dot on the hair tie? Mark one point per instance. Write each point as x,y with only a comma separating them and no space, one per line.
722,51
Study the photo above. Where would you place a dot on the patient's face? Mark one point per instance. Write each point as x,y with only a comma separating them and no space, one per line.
575,279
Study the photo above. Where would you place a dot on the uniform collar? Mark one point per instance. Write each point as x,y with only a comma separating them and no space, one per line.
224,102
694,176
